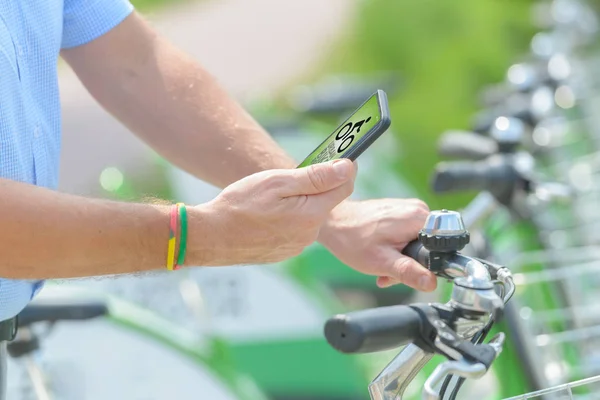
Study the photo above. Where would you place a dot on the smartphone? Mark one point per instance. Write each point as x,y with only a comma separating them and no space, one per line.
355,134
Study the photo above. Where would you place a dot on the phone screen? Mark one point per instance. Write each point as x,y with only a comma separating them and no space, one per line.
349,134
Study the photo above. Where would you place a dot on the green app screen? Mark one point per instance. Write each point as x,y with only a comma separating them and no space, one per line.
347,134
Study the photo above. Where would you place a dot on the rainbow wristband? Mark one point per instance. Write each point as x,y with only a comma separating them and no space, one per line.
183,237
172,239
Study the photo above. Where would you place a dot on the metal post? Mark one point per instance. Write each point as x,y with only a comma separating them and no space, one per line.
3,371
8,331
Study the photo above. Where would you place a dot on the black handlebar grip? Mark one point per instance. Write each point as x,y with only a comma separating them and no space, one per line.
460,176
496,174
373,330
62,312
417,252
466,145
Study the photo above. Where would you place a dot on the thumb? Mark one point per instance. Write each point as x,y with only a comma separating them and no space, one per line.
320,178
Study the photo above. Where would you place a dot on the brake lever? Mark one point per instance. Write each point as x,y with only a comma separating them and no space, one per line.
463,367
467,359
460,368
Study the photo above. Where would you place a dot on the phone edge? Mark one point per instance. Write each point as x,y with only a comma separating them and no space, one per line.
378,130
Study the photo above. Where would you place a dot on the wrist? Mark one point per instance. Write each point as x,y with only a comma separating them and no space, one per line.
202,241
329,232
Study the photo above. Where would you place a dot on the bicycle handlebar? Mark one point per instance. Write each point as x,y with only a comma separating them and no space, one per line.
503,176
466,145
373,330
474,175
417,252
447,329
65,311
460,176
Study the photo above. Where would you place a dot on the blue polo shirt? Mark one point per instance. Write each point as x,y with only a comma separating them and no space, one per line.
32,33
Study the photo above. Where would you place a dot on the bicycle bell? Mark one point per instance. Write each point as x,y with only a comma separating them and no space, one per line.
444,232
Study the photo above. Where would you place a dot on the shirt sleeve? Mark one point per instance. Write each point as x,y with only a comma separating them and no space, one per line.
86,20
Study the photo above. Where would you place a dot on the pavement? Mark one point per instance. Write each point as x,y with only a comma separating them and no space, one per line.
251,46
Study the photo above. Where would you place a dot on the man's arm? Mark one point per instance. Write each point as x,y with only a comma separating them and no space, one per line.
55,235
46,234
179,109
173,104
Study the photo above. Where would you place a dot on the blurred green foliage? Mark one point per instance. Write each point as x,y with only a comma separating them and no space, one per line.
446,51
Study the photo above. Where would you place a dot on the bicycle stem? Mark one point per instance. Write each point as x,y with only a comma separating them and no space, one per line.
473,280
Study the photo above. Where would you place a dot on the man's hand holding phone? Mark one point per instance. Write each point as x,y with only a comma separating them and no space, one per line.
272,215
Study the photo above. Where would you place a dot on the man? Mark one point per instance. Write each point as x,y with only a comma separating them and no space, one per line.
267,212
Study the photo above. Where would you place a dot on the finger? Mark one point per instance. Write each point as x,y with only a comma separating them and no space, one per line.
411,273
413,219
325,202
319,178
386,281
410,232
419,204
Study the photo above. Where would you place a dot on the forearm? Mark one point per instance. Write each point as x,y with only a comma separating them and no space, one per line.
174,105
46,234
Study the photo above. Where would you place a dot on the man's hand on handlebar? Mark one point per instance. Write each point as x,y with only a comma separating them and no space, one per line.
370,235
456,330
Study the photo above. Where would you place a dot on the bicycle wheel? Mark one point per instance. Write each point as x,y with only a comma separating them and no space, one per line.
133,354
